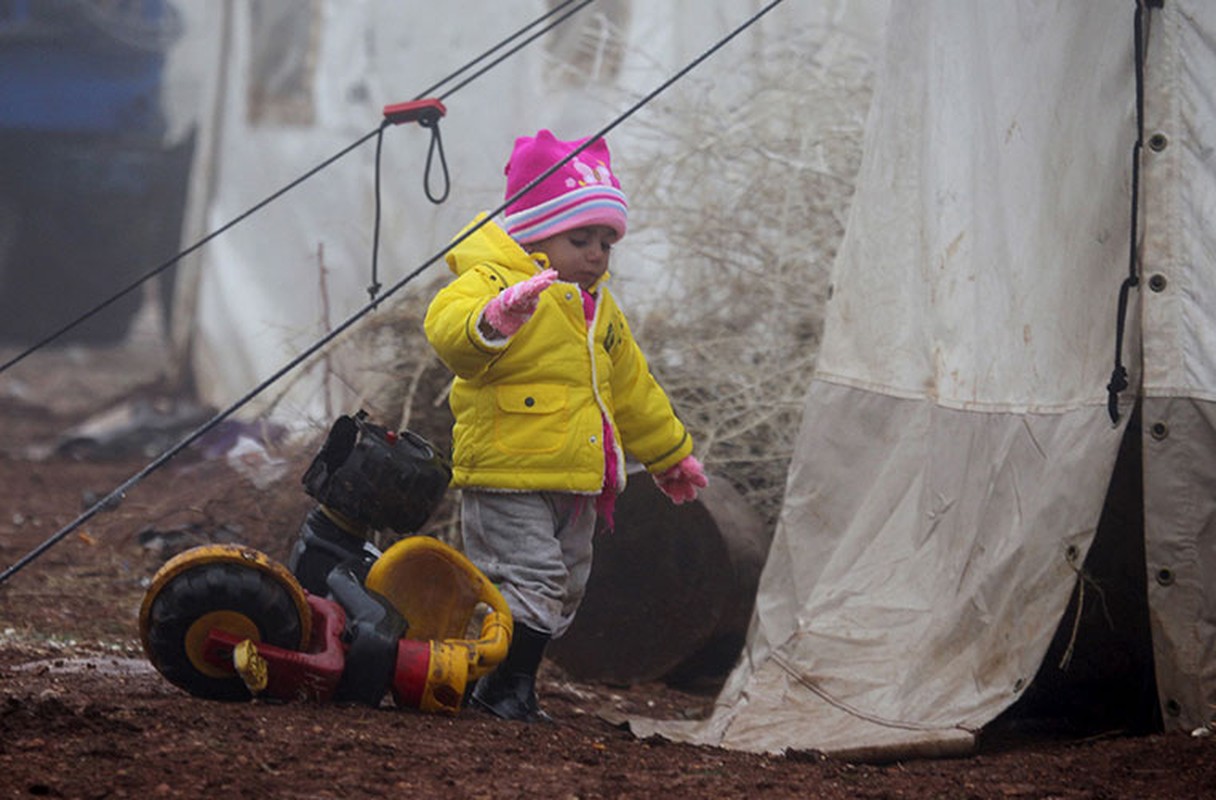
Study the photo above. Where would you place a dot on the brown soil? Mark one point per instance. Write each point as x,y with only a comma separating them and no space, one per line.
82,714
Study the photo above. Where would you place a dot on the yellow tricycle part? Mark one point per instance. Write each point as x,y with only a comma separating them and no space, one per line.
250,665
439,591
233,622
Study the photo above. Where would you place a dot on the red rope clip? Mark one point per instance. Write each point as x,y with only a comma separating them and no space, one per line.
426,111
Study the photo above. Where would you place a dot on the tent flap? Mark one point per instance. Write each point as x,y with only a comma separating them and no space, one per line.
955,451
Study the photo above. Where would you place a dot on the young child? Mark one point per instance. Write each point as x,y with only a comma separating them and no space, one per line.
551,391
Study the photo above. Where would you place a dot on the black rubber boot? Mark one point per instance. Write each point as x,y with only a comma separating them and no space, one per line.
509,692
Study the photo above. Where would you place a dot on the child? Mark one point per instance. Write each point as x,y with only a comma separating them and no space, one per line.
551,390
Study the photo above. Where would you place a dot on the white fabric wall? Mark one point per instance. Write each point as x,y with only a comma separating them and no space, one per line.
955,449
1179,334
955,445
256,300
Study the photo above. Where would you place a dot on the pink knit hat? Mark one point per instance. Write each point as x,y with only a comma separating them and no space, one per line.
582,192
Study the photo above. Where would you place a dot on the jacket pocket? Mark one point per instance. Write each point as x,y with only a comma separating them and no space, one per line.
531,419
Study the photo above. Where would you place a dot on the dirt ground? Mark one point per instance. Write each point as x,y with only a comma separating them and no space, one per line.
83,715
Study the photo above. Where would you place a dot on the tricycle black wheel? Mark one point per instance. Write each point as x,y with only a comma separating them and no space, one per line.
236,589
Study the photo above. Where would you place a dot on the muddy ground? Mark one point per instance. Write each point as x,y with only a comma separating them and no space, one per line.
83,715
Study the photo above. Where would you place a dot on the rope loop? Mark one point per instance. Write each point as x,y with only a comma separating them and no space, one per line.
432,122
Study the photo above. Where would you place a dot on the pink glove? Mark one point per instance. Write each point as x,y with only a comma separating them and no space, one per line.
681,482
514,305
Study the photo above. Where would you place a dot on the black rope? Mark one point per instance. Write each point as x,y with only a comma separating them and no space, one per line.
555,10
118,493
378,132
582,4
429,121
374,287
1118,377
432,122
604,131
436,146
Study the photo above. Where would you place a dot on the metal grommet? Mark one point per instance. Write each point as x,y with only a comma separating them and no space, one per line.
1165,576
1157,142
1159,431
1173,707
1157,282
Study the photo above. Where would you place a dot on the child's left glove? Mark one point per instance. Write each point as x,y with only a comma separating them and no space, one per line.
682,481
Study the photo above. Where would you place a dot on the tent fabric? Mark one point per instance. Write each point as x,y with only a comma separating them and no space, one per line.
955,449
270,108
1179,351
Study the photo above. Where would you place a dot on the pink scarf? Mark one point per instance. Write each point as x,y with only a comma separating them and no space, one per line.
605,502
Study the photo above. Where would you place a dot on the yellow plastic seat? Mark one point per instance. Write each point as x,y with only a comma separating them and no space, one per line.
460,627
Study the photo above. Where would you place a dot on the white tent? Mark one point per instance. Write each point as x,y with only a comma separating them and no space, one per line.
276,87
956,446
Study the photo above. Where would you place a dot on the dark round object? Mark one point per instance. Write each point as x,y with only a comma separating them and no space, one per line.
671,590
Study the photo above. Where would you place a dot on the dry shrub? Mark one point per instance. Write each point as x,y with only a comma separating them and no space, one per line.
738,195
749,189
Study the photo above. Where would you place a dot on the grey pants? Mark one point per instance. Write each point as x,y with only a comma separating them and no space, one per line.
536,547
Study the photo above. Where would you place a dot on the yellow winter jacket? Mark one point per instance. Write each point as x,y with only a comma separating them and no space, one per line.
528,408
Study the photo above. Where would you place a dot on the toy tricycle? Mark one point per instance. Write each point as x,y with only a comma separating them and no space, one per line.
341,622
